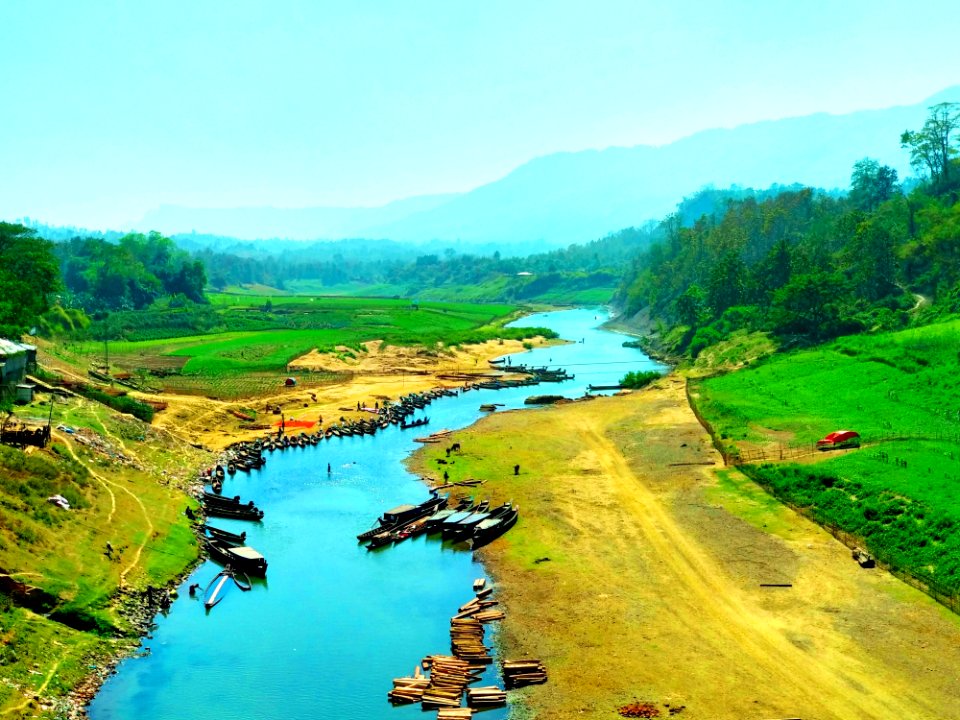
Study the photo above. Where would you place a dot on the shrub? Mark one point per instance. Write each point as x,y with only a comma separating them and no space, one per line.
637,380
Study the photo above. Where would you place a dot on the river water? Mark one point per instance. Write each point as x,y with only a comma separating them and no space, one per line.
333,624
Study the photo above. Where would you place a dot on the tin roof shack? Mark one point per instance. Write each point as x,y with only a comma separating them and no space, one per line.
16,360
839,439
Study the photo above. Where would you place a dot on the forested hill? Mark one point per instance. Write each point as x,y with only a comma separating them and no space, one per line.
561,275
805,266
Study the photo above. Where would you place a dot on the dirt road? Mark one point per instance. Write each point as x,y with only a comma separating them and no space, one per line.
654,585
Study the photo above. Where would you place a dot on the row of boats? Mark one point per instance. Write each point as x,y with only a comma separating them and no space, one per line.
475,524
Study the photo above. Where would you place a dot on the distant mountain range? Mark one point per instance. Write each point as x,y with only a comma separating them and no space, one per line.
579,196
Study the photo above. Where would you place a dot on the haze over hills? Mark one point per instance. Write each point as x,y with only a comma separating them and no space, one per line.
579,196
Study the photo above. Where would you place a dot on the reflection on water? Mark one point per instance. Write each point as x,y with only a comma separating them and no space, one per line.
333,624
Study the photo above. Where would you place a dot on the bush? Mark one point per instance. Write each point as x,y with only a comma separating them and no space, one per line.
637,380
121,404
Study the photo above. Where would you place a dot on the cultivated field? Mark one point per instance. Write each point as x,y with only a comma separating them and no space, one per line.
241,345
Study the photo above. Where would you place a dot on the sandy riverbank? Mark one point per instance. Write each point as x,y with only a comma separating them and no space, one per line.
378,374
638,572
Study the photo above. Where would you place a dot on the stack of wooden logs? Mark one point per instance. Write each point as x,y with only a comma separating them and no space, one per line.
454,714
409,689
449,677
450,674
517,673
466,640
486,697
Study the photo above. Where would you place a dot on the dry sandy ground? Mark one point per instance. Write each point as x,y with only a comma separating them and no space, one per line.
653,588
379,374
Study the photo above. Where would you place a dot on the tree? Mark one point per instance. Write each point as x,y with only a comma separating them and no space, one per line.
873,264
808,305
872,184
932,147
29,276
691,307
727,281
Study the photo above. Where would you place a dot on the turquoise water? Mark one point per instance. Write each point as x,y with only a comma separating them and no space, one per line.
331,626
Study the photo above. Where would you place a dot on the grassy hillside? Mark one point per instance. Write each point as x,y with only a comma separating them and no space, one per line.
901,392
60,609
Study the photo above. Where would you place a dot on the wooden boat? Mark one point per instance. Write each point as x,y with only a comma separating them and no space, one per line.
241,512
214,594
454,520
381,539
217,587
415,423
212,499
403,514
219,534
463,529
417,527
242,557
434,521
491,529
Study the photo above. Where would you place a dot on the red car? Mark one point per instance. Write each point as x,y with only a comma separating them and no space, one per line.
839,439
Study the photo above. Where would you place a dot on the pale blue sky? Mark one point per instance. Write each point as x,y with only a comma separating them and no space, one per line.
113,108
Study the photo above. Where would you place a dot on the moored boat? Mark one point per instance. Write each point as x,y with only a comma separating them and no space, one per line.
242,557
239,512
492,528
463,529
220,534
401,515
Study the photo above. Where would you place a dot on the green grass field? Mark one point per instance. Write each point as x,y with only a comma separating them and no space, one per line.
901,392
904,383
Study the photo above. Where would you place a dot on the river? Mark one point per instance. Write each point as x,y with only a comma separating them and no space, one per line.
333,624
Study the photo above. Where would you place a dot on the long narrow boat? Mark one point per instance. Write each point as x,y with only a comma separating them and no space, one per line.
219,534
464,527
214,594
242,512
219,584
403,514
434,521
491,529
456,518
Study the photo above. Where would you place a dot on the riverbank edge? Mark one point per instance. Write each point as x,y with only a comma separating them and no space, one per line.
641,328
141,609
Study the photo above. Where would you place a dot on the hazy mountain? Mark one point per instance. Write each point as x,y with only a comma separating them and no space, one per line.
296,223
579,196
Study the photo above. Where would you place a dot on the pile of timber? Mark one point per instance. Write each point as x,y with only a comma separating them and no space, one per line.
409,689
486,697
449,677
466,640
517,673
454,714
